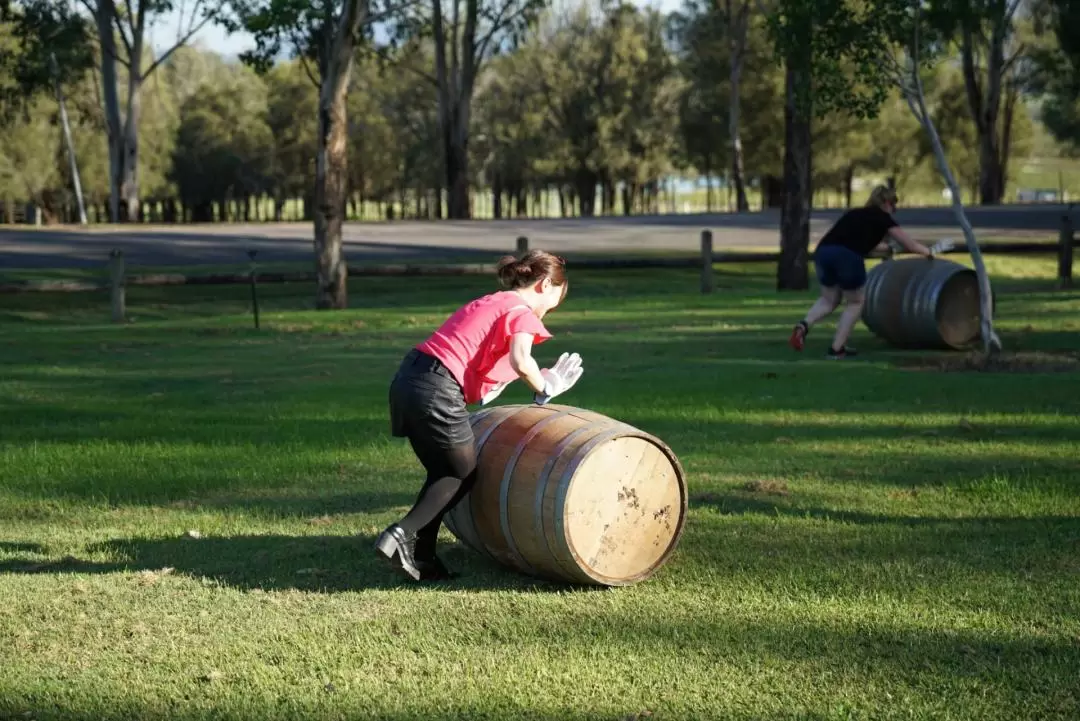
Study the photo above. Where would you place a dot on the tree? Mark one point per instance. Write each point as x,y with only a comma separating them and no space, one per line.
795,26
45,42
28,154
221,145
466,34
512,147
129,24
737,18
1057,65
36,34
990,50
292,106
316,30
889,46
700,33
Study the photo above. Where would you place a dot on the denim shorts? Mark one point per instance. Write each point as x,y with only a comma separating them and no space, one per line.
427,403
839,266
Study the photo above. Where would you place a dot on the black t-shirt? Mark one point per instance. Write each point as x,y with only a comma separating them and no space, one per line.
860,229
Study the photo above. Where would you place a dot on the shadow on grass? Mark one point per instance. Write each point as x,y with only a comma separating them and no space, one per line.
19,547
845,550
316,563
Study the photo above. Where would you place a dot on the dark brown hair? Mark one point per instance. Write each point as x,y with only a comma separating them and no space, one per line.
531,268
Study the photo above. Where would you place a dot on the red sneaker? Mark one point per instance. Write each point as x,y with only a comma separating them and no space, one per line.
798,336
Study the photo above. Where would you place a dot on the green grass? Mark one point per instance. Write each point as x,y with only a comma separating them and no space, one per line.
864,541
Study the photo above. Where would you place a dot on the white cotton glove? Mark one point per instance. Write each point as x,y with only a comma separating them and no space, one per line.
560,378
941,247
493,393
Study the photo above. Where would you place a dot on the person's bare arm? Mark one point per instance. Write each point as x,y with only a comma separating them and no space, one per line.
883,248
909,243
523,363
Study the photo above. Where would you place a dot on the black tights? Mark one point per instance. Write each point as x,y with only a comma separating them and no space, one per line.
451,472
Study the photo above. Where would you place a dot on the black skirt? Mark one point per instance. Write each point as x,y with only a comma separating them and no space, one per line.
427,403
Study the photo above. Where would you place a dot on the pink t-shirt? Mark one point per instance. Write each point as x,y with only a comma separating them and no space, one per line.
474,342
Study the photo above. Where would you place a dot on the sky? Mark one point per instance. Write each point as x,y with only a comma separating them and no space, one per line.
213,37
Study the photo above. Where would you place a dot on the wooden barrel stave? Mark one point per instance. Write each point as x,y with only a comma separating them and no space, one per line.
545,490
459,520
517,492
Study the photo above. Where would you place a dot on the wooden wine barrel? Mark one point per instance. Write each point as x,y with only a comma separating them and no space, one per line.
571,495
917,303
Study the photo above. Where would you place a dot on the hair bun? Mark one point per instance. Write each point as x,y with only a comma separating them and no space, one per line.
516,272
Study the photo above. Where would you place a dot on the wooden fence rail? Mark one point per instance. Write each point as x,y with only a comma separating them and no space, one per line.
118,279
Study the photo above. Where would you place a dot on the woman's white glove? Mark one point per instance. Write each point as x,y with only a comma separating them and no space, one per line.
940,247
560,378
493,393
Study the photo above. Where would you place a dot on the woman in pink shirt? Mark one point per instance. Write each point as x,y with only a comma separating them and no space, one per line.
471,358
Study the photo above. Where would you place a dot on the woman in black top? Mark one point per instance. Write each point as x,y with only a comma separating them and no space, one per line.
841,268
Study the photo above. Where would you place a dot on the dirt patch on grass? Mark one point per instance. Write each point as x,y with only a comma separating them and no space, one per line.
1016,362
768,488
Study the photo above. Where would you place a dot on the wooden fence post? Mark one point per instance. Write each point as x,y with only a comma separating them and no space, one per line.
1065,252
116,285
708,281
522,245
254,295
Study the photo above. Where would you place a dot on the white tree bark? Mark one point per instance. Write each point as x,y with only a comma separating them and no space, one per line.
67,138
916,99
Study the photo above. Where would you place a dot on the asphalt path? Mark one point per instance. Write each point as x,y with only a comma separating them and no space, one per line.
482,240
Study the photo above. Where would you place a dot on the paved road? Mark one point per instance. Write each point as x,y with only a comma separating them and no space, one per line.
482,240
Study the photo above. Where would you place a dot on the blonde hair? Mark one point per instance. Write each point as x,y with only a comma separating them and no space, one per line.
881,195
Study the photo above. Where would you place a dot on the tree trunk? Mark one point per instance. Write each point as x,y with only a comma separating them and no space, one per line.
110,99
586,193
849,182
562,202
455,89
990,191
738,51
985,108
202,212
792,269
521,204
991,342
331,161
130,205
496,196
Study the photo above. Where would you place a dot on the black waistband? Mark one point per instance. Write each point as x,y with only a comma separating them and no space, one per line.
420,361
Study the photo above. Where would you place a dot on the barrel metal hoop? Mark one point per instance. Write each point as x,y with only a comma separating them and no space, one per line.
504,486
542,481
620,430
464,506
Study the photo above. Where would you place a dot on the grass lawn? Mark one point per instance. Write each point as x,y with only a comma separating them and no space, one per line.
188,505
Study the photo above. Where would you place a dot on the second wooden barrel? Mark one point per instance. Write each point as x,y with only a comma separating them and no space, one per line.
571,495
919,303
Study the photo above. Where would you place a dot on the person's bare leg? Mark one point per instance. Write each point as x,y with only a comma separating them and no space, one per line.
853,303
825,304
